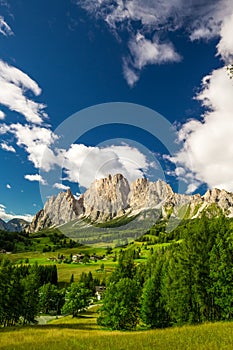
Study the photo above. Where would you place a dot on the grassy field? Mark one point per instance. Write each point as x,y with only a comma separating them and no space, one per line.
84,334
66,270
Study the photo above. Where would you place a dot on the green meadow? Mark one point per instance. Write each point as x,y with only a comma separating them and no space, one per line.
83,333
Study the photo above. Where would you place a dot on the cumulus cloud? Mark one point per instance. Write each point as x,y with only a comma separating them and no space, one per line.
14,85
36,141
84,164
61,186
207,152
143,19
7,147
5,29
35,177
9,216
2,115
225,45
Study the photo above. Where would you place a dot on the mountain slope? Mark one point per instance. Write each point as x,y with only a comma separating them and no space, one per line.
113,197
14,225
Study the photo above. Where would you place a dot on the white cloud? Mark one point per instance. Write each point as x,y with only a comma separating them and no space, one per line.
7,147
130,74
5,29
9,216
207,152
4,129
225,45
14,84
84,164
35,177
8,186
60,186
145,52
36,141
200,19
2,115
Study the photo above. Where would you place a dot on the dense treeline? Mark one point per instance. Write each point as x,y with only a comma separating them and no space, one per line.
45,241
19,291
10,241
28,290
189,281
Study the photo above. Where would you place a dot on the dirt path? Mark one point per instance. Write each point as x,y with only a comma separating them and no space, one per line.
46,319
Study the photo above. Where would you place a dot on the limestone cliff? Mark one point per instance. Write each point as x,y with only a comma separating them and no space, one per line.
57,211
113,197
107,198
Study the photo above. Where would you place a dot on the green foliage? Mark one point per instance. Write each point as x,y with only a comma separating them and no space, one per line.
120,309
44,241
153,312
19,291
221,270
14,241
193,288
30,297
77,299
51,298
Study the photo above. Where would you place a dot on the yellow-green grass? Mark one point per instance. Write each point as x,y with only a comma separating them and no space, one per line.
42,257
66,270
84,334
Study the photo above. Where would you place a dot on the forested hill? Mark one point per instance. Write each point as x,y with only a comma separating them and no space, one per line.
186,281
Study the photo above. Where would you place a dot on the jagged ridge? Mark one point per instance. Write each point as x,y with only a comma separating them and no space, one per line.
113,197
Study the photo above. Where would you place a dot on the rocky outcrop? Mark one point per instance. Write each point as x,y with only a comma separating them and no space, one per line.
113,197
221,198
57,211
146,194
107,198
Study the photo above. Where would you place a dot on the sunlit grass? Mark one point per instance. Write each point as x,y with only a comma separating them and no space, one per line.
83,333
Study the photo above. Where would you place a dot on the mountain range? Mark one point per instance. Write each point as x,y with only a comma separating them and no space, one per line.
113,197
14,225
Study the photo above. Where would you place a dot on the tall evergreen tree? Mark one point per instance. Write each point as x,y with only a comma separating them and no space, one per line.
153,312
221,272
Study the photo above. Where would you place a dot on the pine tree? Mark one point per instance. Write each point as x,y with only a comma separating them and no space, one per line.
221,273
153,312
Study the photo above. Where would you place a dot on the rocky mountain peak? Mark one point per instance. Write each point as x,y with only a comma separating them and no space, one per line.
112,197
146,194
107,198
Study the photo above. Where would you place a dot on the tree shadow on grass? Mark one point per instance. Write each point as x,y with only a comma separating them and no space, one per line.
84,324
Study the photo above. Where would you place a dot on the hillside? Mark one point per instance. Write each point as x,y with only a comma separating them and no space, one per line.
84,334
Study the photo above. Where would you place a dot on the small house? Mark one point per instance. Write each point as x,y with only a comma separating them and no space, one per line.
99,290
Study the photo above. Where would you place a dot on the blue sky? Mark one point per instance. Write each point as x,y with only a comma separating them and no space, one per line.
60,57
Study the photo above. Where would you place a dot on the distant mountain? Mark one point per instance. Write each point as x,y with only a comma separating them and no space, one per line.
113,197
14,225
17,225
2,225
